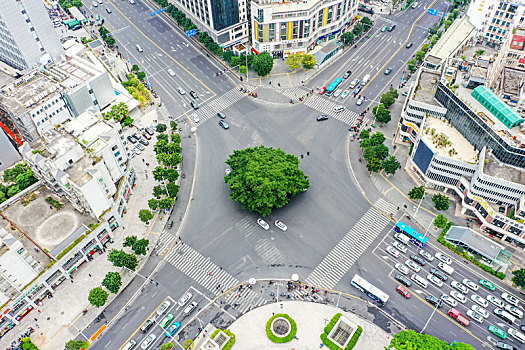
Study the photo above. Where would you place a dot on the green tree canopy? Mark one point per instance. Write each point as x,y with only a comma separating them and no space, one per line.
98,296
387,99
367,22
390,165
309,61
263,63
519,278
294,61
166,346
381,113
27,344
377,139
381,151
173,189
365,134
441,202
140,246
112,282
77,345
153,204
374,165
416,193
145,215
440,221
348,38
11,174
120,258
161,127
264,178
411,340
129,241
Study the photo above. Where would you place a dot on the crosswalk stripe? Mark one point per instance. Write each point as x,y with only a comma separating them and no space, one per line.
326,106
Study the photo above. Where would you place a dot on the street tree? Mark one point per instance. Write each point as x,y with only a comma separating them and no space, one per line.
153,204
381,151
420,55
227,56
243,69
77,345
27,343
235,61
441,201
373,165
365,134
377,139
412,65
411,340
159,172
390,165
112,281
416,193
263,63
140,246
173,189
166,346
158,191
188,344
365,143
98,296
171,175
166,203
358,29
309,61
519,278
381,113
294,61
440,221
264,178
129,241
369,153
387,99
348,38
161,127
367,22
145,216
141,76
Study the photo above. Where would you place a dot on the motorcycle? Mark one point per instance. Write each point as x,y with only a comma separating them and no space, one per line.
171,224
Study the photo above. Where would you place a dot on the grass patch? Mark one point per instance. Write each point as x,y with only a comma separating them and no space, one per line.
328,328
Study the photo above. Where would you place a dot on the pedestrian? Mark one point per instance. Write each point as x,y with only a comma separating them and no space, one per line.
89,274
239,295
39,311
302,156
36,319
308,153
273,313
209,273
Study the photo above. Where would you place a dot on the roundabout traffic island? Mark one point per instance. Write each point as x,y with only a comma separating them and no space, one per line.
281,328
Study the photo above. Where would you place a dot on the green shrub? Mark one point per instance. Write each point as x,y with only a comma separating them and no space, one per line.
277,339
331,345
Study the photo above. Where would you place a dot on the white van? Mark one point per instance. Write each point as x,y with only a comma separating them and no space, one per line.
339,109
505,316
130,345
402,238
365,80
419,281
447,268
517,335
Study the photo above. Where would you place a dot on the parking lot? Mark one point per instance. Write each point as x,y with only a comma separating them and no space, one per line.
463,271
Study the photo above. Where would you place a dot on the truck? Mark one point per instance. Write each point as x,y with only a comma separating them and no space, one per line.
402,238
459,317
365,80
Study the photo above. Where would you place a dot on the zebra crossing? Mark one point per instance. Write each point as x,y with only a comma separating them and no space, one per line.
210,276
208,110
262,244
336,264
386,207
327,107
165,240
293,93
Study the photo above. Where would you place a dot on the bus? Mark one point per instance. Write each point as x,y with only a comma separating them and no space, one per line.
416,237
332,87
373,292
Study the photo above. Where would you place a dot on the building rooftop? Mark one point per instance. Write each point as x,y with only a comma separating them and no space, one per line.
496,106
476,241
78,173
494,167
426,88
445,140
456,34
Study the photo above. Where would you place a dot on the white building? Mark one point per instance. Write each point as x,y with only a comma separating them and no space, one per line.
284,27
84,162
27,38
17,267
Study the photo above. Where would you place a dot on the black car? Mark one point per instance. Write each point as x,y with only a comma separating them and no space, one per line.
193,94
418,259
434,301
439,274
194,105
221,115
322,117
223,124
505,346
358,90
403,280
108,10
409,45
347,74
144,142
388,71
132,139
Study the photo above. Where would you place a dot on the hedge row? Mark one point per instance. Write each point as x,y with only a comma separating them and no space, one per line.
466,255
331,324
230,342
277,339
331,345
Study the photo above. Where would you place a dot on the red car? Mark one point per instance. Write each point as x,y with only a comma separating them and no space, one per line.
322,91
404,292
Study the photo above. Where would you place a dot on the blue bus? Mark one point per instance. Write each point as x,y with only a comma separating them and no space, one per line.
331,88
416,237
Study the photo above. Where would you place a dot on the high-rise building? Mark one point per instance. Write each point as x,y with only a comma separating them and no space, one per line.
27,36
284,27
226,21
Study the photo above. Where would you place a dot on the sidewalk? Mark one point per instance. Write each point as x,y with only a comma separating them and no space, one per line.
311,318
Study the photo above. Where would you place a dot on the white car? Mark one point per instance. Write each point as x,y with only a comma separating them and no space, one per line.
442,257
479,300
139,48
148,341
181,91
132,2
94,4
470,284
280,225
426,255
337,93
509,298
393,252
344,94
402,268
360,100
195,117
517,335
495,301
436,280
480,310
171,72
514,310
263,224
459,287
184,299
413,265
447,299
400,246
100,2
475,316
137,150
458,296
162,309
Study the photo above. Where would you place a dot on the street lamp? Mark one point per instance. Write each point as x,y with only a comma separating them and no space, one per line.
432,314
426,231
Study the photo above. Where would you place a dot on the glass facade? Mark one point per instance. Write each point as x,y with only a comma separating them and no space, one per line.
225,13
475,130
